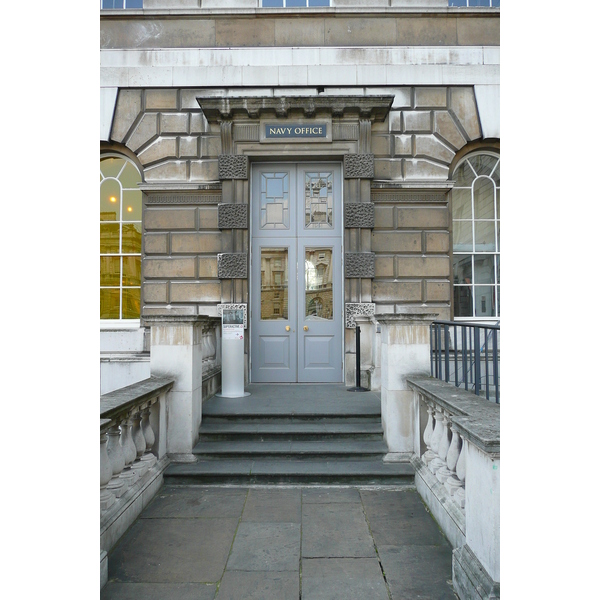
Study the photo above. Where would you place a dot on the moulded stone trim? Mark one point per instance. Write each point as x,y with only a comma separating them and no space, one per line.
243,307
359,166
184,199
356,309
233,216
360,264
232,166
232,265
359,214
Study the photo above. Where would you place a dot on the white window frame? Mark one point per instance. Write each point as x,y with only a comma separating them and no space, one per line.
286,6
124,7
469,5
121,323
473,253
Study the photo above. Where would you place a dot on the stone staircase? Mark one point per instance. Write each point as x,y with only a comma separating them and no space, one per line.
304,434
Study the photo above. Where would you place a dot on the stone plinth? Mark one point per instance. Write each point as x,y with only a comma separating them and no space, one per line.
404,351
176,351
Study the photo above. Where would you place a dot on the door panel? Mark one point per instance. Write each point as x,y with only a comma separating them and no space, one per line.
296,313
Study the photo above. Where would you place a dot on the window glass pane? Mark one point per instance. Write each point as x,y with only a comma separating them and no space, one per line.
318,2
462,269
484,269
318,284
483,198
483,163
462,235
457,2
275,201
498,268
484,301
272,3
131,303
274,283
498,203
110,270
132,205
463,301
293,3
109,303
132,238
109,238
496,3
132,270
110,203
461,204
111,167
318,201
485,235
498,226
464,175
129,177
135,3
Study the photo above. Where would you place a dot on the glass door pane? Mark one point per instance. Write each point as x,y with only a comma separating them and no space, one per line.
274,283
318,283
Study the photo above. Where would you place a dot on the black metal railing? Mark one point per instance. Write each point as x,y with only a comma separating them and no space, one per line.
467,355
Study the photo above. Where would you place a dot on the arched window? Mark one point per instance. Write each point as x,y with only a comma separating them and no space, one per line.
120,239
476,236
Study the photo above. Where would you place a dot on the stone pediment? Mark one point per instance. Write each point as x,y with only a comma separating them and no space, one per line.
375,108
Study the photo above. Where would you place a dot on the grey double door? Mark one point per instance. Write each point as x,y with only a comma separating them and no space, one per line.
296,273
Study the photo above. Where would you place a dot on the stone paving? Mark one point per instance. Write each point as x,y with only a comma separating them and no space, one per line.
280,543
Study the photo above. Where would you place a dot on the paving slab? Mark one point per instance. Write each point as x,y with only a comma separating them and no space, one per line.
260,585
335,530
173,551
266,547
423,572
330,495
273,506
195,501
342,579
158,591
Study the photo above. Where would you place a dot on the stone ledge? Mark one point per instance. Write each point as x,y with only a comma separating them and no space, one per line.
475,418
469,577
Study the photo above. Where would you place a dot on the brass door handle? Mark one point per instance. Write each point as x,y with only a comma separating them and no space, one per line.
306,328
287,327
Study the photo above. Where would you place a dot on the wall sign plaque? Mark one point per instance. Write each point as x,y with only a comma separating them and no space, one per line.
284,131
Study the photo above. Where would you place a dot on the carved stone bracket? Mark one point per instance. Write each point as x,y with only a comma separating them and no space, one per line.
233,216
356,309
233,166
243,307
359,214
360,264
232,265
359,166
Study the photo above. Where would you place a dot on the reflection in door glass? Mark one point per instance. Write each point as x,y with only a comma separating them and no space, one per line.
318,275
274,283
318,201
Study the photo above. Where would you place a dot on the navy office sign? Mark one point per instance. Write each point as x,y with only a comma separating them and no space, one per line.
295,132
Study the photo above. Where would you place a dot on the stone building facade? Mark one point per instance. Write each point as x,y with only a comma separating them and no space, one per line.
207,99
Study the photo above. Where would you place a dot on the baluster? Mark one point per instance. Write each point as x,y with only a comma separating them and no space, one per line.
149,436
107,498
461,473
452,483
443,472
139,442
204,350
428,455
212,348
117,484
436,438
129,451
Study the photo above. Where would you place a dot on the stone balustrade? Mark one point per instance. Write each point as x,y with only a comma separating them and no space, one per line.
133,456
457,472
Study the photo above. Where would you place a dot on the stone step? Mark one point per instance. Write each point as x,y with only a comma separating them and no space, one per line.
291,471
324,450
278,430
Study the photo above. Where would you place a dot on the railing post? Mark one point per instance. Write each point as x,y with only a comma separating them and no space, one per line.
477,360
447,352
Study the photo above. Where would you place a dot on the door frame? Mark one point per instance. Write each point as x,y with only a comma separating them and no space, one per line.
317,162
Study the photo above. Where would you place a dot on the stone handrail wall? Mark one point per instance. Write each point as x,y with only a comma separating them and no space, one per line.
457,464
132,456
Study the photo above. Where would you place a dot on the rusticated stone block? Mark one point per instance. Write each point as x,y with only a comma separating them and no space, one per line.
173,123
146,130
464,106
158,150
232,265
438,291
355,309
397,291
359,166
359,214
419,266
430,147
161,98
396,241
233,166
426,218
184,218
168,268
430,97
360,264
196,242
445,126
156,243
417,121
233,216
437,241
129,106
195,291
155,292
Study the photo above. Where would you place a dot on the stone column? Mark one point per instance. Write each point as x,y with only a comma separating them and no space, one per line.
176,351
404,352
